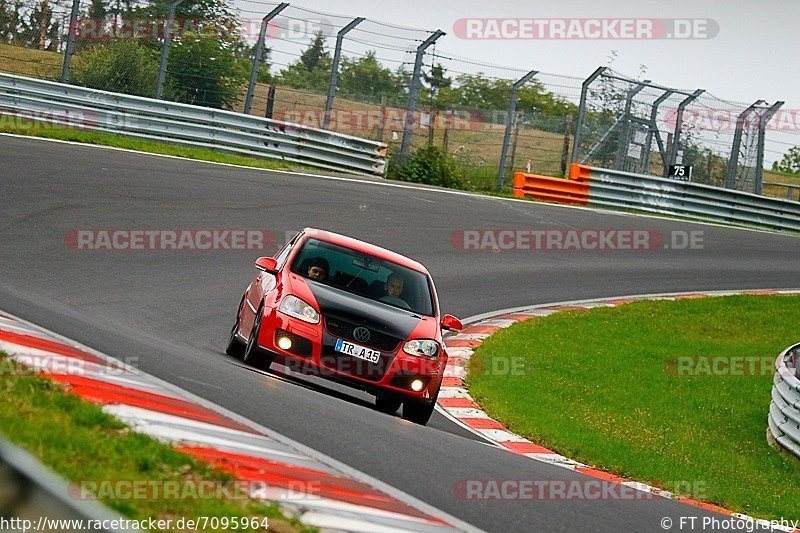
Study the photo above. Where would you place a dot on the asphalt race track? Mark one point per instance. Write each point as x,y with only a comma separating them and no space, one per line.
172,309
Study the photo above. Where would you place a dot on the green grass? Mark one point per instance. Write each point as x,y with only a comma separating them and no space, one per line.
597,387
81,443
144,145
30,62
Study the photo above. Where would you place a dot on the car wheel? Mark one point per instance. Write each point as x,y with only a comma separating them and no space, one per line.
253,355
235,346
387,404
417,411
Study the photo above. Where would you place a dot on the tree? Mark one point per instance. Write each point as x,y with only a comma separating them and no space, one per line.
247,53
315,53
205,72
790,162
217,10
366,77
119,66
436,80
312,70
16,28
402,78
41,30
7,22
98,10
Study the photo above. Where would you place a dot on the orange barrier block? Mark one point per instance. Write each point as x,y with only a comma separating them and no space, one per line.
579,172
574,190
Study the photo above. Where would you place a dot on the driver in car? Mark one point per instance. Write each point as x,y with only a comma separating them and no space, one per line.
394,288
394,285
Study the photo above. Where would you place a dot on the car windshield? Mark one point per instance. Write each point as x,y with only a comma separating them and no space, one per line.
364,275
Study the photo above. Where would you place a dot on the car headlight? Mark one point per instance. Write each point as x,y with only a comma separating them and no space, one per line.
422,348
294,306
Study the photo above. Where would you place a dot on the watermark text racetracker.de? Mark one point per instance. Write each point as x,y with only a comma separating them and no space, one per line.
186,239
585,28
191,489
586,239
590,489
217,29
32,364
729,119
720,365
48,119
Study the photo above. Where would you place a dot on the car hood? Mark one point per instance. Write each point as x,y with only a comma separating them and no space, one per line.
336,303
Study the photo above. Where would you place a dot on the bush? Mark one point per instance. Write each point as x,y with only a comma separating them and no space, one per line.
119,66
205,72
790,164
429,166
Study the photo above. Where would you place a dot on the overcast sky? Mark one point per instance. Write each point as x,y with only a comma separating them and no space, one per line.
754,55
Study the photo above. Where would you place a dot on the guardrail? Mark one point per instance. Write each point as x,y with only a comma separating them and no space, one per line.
790,188
184,124
36,498
648,194
784,410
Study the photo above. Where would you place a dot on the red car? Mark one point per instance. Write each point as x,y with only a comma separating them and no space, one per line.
336,307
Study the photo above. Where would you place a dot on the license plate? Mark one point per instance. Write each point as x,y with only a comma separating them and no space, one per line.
342,346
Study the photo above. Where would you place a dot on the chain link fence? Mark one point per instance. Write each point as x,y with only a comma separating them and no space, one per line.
400,85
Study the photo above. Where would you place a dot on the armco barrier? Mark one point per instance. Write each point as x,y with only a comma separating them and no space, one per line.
648,194
184,124
784,410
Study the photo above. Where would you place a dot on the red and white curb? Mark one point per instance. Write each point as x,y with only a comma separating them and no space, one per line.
316,489
456,403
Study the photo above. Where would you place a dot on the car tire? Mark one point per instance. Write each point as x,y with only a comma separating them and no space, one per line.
387,404
417,411
253,355
235,346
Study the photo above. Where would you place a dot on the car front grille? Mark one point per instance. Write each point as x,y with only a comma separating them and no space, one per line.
377,340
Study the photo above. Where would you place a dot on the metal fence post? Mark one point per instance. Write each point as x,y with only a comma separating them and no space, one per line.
337,54
259,50
762,127
512,110
582,110
515,138
676,137
73,17
623,140
565,151
733,162
270,108
162,69
645,166
413,92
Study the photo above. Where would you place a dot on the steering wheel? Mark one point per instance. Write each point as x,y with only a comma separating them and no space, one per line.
395,301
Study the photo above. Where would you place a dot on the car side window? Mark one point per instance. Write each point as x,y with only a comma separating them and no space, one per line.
286,250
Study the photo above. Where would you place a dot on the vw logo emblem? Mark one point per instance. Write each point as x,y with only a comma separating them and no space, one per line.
361,334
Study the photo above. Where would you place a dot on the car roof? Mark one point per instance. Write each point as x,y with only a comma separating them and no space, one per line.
365,247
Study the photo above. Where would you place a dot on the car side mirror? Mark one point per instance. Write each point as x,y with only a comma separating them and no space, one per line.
267,264
451,322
